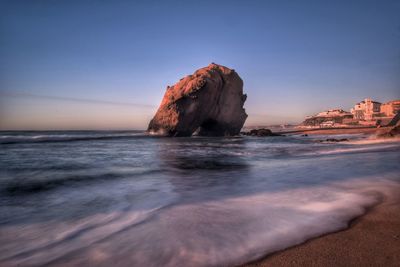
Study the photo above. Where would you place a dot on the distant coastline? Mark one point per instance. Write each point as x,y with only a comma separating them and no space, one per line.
365,113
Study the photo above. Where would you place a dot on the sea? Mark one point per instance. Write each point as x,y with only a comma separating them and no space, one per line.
124,198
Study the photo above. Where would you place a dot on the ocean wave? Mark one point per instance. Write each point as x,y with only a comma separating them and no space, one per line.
19,187
374,140
47,138
355,147
83,234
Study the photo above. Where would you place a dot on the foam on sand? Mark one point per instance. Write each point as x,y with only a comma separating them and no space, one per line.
212,233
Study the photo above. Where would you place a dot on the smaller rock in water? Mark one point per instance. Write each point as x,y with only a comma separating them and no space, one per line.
261,132
334,140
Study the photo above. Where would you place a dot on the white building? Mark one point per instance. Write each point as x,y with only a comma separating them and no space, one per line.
366,109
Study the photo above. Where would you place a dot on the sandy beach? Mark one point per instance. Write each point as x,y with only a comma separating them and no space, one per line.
371,240
336,131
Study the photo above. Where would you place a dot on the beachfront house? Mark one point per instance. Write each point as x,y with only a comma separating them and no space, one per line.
391,108
366,110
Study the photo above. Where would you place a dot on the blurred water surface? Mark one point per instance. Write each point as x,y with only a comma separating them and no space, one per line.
125,198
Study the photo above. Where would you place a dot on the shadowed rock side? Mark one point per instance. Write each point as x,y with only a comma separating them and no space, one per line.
209,102
390,131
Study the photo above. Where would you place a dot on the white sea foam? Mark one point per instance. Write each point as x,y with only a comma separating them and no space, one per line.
374,140
352,150
210,233
31,138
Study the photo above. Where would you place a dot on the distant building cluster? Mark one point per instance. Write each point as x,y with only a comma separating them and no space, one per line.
366,112
369,110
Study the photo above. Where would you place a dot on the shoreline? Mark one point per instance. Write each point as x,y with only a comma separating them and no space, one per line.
371,239
334,131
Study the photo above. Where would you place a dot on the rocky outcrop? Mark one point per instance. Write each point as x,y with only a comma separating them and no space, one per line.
334,140
261,132
208,102
395,131
388,132
395,120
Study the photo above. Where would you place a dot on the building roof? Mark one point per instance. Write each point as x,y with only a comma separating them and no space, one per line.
397,101
363,102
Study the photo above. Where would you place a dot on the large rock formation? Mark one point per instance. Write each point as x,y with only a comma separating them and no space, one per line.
209,102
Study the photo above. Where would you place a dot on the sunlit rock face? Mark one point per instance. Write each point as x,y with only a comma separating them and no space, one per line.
209,102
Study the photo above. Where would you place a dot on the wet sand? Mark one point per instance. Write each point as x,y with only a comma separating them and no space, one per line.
371,240
335,131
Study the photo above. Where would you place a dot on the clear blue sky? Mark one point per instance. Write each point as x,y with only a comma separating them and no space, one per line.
296,57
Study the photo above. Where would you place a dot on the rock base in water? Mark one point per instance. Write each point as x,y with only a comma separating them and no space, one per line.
261,132
334,140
